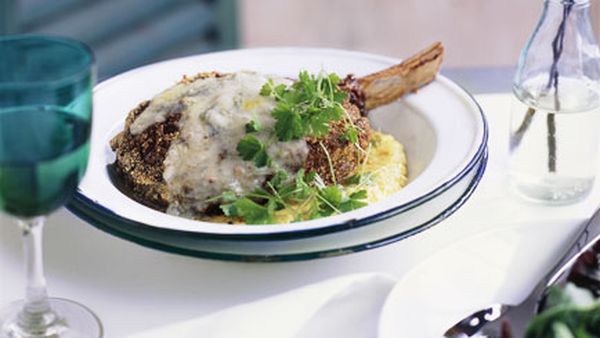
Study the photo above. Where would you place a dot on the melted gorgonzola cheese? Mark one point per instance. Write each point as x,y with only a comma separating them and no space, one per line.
203,162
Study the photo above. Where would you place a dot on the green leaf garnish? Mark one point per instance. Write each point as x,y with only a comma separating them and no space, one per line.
253,126
359,195
228,196
351,134
251,148
302,195
252,212
354,179
279,179
333,195
569,312
228,209
304,109
289,124
267,88
307,107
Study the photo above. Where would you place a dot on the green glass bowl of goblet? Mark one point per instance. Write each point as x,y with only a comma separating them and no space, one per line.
45,123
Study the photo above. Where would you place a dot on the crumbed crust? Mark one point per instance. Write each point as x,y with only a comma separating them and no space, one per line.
345,156
139,158
139,162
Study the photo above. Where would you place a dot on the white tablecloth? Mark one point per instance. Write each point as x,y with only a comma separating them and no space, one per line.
494,249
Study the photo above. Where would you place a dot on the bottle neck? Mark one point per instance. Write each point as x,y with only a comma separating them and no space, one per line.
575,3
562,48
578,10
569,18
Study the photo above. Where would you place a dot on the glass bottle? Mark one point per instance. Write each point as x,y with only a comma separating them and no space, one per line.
555,117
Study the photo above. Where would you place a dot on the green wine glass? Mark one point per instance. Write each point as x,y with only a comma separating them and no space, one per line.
45,122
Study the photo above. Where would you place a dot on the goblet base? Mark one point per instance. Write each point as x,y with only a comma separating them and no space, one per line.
67,319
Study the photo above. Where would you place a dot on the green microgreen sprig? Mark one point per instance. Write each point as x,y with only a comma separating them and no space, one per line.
302,195
304,109
307,107
250,148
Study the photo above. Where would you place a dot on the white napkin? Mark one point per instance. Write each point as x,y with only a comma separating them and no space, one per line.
497,266
347,307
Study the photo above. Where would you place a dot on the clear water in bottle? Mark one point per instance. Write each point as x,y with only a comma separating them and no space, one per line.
554,139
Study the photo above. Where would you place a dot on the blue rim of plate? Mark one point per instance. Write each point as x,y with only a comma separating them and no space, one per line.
97,213
138,238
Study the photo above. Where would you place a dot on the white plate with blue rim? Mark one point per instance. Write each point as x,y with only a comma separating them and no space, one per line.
441,127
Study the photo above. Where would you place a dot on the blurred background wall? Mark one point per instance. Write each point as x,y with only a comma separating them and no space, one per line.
476,33
129,33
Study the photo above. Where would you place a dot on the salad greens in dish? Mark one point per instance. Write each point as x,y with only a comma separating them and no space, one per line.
570,312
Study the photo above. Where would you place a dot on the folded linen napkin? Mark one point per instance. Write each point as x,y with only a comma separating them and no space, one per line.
498,266
346,306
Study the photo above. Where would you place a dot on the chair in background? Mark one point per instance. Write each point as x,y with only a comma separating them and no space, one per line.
128,33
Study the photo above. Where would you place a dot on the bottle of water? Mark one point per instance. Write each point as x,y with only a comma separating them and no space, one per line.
555,116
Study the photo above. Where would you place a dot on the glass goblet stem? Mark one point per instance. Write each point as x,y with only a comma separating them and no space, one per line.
36,315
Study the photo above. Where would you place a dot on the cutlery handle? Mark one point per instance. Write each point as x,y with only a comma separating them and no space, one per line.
588,236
